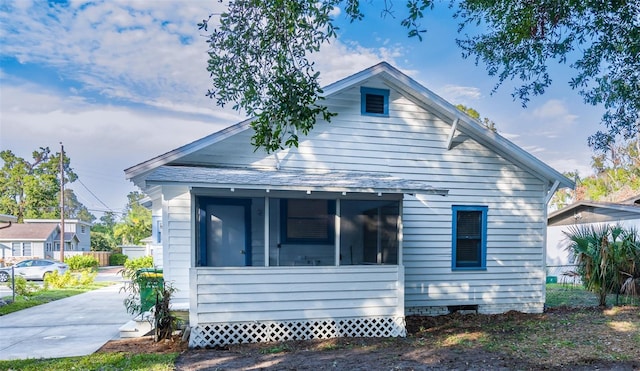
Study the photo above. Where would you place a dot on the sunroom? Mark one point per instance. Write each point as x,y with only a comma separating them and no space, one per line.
284,255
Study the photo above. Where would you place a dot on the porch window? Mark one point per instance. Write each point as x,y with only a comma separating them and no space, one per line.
307,221
469,237
369,232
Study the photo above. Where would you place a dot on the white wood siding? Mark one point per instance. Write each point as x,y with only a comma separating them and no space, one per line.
295,293
412,143
177,241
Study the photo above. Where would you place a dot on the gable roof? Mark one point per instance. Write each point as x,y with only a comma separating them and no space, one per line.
28,232
629,210
412,89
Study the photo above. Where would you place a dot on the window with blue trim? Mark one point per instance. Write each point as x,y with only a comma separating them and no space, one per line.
374,102
469,238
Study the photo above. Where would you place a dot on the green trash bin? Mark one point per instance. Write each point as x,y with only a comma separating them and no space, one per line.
149,279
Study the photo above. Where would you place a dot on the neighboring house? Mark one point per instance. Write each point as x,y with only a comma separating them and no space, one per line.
584,213
81,230
23,241
401,205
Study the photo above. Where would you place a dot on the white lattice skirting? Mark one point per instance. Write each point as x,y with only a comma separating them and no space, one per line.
214,334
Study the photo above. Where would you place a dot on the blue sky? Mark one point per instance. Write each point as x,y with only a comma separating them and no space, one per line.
119,82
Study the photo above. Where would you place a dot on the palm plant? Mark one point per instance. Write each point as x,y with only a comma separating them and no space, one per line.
608,258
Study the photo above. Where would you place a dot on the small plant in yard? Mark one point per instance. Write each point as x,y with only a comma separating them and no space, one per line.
138,279
23,287
165,322
280,348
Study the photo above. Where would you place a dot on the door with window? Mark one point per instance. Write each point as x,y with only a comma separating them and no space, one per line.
224,227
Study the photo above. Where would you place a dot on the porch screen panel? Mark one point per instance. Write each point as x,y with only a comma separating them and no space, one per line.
369,232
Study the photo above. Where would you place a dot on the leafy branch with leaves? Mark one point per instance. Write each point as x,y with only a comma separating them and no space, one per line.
258,57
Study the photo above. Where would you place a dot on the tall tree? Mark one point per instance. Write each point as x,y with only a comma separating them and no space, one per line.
74,209
617,174
136,224
488,123
259,56
102,233
31,189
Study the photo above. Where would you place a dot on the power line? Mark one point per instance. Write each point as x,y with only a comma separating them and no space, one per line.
93,194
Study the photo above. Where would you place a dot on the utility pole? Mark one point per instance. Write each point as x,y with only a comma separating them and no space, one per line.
61,202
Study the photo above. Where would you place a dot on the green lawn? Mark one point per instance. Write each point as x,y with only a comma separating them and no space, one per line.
576,296
97,361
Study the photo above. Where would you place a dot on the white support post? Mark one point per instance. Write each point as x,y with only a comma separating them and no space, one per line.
266,231
337,229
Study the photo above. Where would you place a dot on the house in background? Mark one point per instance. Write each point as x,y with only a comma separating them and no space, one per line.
584,213
72,227
24,241
40,238
401,205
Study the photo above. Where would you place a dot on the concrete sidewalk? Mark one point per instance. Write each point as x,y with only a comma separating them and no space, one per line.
74,326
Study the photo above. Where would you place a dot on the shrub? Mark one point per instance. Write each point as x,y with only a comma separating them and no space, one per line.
117,259
79,262
56,281
22,287
87,277
135,264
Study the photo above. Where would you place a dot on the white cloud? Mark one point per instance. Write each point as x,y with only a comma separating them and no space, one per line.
556,111
455,93
101,140
126,50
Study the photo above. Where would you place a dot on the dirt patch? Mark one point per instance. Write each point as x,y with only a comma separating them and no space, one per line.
570,338
145,345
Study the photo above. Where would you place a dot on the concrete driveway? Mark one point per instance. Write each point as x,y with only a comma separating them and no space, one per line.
74,326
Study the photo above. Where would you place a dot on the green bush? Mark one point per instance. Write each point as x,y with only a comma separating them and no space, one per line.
55,280
87,277
142,262
22,287
117,259
79,262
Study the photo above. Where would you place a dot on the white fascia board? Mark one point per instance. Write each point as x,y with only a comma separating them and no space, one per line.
176,154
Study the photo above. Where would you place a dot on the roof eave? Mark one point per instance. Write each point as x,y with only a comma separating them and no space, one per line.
294,188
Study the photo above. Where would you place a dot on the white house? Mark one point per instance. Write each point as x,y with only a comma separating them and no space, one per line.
401,205
585,213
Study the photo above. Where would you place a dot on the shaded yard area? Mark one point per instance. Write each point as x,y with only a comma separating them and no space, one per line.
580,337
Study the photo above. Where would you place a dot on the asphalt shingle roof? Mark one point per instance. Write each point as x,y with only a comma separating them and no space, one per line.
28,232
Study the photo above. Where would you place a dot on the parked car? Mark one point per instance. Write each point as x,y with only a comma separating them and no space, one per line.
33,269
